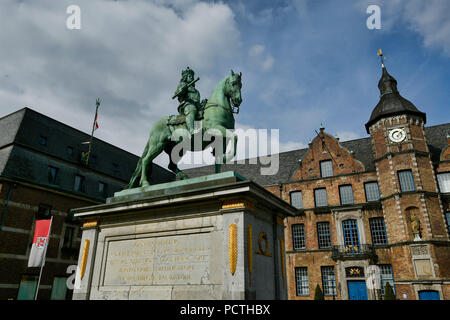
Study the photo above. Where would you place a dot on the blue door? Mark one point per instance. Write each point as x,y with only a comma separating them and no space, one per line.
357,290
429,295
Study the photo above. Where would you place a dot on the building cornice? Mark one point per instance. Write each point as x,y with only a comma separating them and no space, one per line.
392,154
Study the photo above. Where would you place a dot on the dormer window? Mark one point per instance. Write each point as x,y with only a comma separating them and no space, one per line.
43,141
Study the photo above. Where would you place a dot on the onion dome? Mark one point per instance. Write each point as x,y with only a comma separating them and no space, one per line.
391,102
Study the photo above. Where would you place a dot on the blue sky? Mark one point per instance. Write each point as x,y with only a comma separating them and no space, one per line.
304,62
325,67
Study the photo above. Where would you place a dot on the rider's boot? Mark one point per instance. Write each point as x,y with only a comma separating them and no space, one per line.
190,123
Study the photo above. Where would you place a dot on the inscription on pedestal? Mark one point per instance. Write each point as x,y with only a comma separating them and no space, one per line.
181,259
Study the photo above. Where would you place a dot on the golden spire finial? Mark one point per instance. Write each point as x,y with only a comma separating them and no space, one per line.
380,54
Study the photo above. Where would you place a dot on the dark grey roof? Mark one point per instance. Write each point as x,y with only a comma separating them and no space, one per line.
251,169
391,102
362,148
10,124
437,140
23,157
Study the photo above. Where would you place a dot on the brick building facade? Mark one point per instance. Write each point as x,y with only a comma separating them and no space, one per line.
371,211
362,226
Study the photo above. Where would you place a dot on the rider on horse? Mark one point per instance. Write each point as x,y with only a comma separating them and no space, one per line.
189,98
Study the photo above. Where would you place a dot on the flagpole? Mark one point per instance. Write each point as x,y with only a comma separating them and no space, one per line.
43,262
97,104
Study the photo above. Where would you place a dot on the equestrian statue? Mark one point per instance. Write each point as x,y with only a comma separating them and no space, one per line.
216,115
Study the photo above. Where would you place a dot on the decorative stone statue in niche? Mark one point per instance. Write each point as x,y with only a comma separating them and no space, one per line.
415,226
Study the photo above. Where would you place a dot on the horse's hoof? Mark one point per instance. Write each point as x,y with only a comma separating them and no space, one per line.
182,176
145,184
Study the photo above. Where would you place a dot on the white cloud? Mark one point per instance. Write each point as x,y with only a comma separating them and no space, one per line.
256,50
347,135
430,19
259,59
129,53
292,145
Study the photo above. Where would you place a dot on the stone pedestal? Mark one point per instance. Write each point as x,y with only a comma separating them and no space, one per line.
213,237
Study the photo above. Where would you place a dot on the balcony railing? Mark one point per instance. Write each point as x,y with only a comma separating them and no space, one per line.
360,251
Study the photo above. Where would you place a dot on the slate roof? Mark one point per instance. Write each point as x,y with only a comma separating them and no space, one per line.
391,102
435,135
23,157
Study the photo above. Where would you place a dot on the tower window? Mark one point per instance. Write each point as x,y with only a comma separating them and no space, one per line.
346,194
296,199
447,218
326,168
406,180
69,150
320,197
444,182
372,191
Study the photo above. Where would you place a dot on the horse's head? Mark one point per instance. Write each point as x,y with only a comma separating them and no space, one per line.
233,89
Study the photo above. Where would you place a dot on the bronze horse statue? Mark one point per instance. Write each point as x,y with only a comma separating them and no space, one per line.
217,117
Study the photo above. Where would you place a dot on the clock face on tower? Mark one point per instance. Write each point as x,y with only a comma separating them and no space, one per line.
397,135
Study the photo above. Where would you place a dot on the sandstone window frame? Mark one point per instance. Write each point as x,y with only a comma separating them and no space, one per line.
341,214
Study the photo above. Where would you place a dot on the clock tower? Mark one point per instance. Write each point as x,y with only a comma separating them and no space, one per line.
406,178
